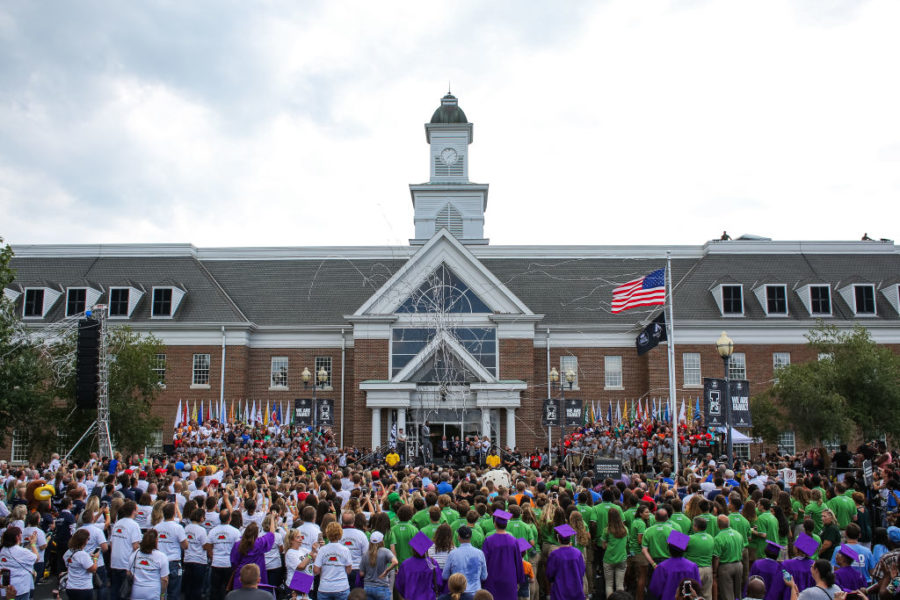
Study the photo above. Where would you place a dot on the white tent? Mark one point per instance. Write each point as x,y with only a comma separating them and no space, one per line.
736,436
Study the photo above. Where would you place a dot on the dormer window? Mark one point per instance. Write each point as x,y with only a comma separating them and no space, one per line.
166,301
776,300
122,301
820,300
34,303
732,300
864,297
76,301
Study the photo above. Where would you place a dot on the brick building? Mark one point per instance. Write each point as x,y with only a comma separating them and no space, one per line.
450,328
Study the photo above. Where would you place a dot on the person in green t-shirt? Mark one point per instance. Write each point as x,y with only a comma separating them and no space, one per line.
601,514
448,513
678,518
402,533
615,545
844,508
420,512
700,552
636,559
711,527
655,544
727,549
814,509
471,522
434,514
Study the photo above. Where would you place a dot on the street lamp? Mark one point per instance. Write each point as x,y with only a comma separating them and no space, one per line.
322,377
554,380
725,346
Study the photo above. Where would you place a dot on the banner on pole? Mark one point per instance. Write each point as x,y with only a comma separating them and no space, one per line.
550,413
740,404
713,402
574,412
303,412
326,411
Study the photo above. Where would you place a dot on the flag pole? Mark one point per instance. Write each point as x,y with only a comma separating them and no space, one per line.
670,334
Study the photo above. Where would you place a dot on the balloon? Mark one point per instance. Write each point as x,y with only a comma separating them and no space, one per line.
179,465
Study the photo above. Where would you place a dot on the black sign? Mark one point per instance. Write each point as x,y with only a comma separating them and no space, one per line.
713,402
608,467
868,474
550,413
303,414
574,412
326,411
740,404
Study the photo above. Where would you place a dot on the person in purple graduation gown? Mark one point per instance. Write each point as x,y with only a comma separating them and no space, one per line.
565,567
799,567
846,576
504,561
419,577
769,570
671,572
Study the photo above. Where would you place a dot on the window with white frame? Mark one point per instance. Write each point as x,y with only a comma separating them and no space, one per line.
162,302
159,367
737,366
20,450
568,363
612,371
323,362
691,362
201,370
825,356
776,300
820,300
864,295
155,446
118,302
787,443
76,301
742,451
832,445
34,303
780,360
732,300
279,373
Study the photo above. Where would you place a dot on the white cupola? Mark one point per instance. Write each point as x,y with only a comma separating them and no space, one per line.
449,201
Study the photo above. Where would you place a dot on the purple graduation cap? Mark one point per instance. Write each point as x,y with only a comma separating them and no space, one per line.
502,514
773,547
849,552
806,544
678,540
421,543
565,530
524,545
301,582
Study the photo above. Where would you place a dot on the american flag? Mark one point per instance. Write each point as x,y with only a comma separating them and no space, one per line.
648,290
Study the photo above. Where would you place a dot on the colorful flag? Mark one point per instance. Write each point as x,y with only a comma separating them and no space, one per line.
655,412
625,412
681,415
649,290
252,420
265,419
697,413
618,412
202,413
231,412
194,412
609,413
178,415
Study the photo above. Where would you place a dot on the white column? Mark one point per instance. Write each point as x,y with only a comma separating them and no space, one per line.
401,421
511,427
376,427
486,422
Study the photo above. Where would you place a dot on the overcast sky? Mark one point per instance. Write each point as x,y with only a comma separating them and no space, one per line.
301,123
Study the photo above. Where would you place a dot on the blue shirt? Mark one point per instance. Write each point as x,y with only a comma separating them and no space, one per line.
444,488
469,561
863,564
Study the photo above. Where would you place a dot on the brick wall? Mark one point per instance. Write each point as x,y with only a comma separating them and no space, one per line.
517,358
370,361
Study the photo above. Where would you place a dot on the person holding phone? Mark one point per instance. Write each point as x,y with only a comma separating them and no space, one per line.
19,561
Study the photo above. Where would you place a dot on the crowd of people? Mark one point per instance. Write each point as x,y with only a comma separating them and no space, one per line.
281,511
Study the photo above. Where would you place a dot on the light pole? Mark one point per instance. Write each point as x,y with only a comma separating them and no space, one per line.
561,410
322,377
725,346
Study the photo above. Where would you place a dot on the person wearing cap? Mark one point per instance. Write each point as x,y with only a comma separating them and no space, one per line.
700,552
864,560
504,561
846,576
419,577
375,566
727,551
673,570
768,569
799,567
565,567
468,560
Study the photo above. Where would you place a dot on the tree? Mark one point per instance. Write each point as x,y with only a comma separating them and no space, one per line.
133,386
855,386
768,418
25,397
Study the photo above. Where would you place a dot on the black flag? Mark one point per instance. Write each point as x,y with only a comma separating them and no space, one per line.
652,335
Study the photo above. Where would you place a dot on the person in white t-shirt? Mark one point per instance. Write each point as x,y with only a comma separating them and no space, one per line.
309,531
97,540
18,560
297,559
124,538
333,564
150,569
32,522
195,557
355,541
219,541
144,512
81,566
172,540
